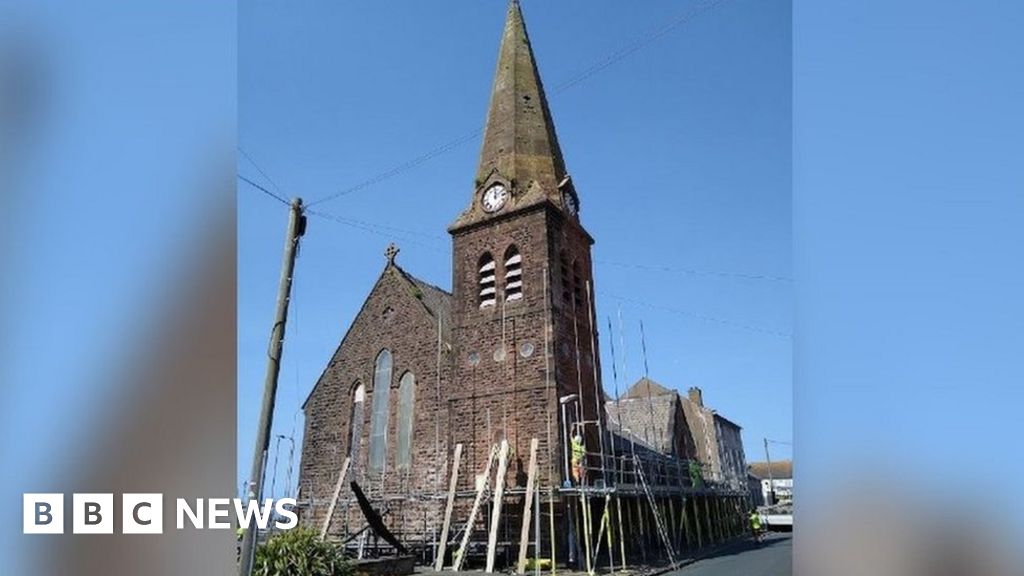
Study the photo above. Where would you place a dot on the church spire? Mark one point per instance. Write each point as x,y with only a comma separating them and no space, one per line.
519,141
520,148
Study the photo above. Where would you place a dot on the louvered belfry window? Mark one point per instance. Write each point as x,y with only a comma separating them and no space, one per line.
488,291
513,274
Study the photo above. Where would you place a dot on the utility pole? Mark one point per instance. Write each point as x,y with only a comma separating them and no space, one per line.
771,480
296,228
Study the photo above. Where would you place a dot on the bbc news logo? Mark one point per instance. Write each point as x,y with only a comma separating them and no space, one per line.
144,513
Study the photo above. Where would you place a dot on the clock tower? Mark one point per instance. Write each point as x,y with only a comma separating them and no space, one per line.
522,306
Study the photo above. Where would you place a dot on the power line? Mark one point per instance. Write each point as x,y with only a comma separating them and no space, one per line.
404,167
606,62
330,216
352,222
260,170
376,229
704,317
694,271
636,45
264,190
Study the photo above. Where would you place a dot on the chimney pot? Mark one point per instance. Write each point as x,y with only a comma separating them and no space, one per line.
696,396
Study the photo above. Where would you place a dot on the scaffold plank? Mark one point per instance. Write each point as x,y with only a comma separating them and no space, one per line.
531,476
499,494
481,486
452,483
334,499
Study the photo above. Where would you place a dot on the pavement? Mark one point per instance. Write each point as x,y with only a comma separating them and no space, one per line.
773,557
742,557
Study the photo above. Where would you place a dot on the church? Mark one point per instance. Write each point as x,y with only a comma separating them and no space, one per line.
508,357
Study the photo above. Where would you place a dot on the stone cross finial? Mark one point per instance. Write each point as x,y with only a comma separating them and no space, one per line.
391,252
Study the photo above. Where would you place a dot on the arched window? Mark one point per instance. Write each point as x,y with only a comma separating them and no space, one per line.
488,295
381,412
356,423
406,403
513,274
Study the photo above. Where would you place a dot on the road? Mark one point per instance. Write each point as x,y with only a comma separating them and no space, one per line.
772,558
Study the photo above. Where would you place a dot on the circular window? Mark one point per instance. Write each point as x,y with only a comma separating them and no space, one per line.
526,349
499,354
474,358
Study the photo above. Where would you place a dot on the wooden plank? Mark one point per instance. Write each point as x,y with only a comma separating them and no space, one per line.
531,476
672,529
685,523
697,522
585,508
334,499
481,484
551,528
622,535
452,483
499,493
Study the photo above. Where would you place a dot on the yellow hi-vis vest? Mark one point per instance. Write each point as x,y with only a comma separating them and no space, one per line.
577,451
755,521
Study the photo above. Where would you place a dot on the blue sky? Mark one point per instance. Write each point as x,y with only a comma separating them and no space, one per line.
907,229
906,208
134,107
680,152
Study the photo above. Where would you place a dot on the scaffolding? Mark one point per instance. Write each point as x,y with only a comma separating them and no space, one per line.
634,508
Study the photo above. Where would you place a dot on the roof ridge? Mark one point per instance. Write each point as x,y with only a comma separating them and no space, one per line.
419,280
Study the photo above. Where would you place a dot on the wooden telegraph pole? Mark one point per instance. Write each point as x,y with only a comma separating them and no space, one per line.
296,228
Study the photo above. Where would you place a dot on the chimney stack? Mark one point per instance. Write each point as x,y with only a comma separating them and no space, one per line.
696,396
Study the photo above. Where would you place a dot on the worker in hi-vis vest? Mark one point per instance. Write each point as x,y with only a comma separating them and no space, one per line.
755,525
578,454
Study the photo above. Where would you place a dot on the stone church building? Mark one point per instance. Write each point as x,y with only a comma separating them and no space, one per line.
422,369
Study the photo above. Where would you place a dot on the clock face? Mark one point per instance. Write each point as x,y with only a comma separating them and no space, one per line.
570,203
494,198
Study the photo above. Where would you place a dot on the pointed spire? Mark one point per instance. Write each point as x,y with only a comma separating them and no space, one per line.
520,148
520,141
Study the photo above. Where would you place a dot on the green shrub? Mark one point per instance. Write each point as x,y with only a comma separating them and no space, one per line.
300,552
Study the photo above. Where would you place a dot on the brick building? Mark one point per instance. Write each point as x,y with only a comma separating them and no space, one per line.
421,369
680,426
500,358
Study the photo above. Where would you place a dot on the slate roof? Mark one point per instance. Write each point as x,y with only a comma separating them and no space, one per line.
645,385
652,422
438,301
781,470
648,411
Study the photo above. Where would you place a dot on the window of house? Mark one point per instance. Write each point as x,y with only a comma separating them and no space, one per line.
381,412
513,274
488,294
356,423
406,403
